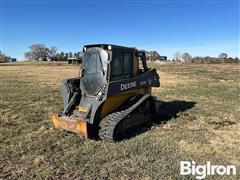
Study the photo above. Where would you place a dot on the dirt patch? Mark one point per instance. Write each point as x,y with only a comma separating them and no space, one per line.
221,124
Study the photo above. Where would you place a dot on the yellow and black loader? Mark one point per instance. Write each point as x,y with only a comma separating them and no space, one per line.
111,96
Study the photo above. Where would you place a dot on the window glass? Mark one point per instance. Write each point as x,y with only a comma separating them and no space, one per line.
92,74
127,63
91,63
117,64
122,64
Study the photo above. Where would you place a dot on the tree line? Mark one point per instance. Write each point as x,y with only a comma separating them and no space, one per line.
188,59
39,52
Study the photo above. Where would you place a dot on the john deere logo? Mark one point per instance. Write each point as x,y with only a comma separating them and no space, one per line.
128,85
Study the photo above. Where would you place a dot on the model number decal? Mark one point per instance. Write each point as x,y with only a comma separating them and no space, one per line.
128,85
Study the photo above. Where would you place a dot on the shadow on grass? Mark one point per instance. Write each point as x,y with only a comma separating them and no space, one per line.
165,111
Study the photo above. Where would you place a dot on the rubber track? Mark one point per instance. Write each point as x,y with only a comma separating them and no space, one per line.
108,123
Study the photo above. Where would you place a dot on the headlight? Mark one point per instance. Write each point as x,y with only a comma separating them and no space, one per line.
84,48
109,47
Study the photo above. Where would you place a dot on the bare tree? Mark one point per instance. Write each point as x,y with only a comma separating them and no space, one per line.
187,57
223,56
152,55
52,53
4,57
177,56
37,52
28,56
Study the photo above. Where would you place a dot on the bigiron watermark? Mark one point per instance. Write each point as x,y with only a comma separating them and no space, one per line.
208,169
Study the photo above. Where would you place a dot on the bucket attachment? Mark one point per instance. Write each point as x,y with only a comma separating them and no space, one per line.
76,125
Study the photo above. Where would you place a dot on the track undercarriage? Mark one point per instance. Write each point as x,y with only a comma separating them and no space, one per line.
118,125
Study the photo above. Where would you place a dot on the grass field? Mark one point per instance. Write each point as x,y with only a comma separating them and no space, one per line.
200,121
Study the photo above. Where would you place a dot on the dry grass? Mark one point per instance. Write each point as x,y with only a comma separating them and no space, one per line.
199,115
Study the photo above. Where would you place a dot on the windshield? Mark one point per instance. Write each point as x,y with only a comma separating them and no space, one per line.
94,69
91,62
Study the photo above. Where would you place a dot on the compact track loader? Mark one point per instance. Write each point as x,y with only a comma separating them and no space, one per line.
111,96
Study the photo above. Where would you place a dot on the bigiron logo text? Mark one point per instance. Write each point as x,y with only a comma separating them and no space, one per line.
201,171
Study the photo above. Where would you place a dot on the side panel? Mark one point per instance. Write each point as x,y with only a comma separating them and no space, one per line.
112,103
145,80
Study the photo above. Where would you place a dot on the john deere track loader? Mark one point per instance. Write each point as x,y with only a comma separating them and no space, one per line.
111,96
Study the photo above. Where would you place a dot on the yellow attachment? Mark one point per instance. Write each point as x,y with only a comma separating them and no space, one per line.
82,109
77,125
56,121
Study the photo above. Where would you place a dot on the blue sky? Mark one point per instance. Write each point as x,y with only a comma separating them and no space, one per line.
199,27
